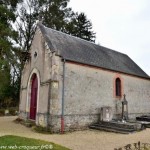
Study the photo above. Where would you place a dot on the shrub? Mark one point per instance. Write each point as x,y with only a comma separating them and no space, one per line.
2,112
40,129
13,111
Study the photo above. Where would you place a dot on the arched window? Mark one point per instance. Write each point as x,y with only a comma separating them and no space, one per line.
118,86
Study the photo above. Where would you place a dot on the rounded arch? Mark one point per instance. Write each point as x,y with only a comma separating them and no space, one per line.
34,73
118,86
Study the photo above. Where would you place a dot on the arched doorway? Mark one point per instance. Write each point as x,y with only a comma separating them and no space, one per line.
34,91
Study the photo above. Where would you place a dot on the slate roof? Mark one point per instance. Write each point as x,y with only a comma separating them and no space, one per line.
78,50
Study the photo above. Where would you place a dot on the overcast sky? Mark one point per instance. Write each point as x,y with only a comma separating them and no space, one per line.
122,25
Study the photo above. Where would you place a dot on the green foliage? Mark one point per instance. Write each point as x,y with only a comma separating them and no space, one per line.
40,129
27,16
54,14
81,27
2,112
5,82
57,15
12,111
8,57
17,142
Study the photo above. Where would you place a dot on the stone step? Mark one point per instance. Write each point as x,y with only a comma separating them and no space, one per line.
123,125
109,130
118,126
112,129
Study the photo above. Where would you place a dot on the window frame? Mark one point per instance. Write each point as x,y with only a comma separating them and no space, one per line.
115,95
118,87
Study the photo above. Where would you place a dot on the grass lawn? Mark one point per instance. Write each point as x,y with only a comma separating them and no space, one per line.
10,142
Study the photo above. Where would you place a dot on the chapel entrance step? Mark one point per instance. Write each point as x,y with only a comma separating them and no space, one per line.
118,127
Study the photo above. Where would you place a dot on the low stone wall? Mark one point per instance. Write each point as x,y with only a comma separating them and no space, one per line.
71,122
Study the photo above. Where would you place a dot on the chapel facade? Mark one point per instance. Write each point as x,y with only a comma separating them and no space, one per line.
66,80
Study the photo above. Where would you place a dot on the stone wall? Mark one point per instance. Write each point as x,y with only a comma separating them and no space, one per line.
138,95
88,89
41,65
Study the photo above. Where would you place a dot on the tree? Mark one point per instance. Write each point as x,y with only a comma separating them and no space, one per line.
8,37
54,14
81,27
27,13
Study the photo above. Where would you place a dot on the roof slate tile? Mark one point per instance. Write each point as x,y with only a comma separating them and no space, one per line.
78,50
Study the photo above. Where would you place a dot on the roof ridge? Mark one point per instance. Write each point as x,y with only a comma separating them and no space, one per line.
80,39
86,52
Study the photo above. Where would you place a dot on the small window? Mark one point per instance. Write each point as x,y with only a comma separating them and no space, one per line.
118,87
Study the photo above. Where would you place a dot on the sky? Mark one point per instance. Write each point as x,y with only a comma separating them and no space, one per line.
122,25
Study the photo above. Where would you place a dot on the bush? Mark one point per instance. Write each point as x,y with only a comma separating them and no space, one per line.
2,112
40,129
13,111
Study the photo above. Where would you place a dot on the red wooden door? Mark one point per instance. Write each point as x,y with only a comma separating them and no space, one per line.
33,103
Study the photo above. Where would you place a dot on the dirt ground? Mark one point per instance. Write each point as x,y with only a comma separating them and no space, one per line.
80,140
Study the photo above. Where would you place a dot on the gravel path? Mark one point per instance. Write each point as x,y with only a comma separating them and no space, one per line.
80,140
